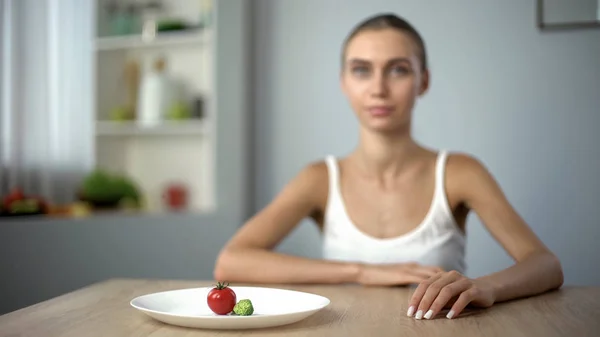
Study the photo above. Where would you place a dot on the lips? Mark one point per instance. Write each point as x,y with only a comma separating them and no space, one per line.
380,111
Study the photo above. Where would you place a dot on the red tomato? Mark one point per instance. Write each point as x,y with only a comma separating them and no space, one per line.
14,195
221,299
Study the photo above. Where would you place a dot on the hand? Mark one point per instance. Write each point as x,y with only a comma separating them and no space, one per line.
449,289
395,274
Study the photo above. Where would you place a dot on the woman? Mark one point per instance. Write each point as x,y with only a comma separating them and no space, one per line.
392,212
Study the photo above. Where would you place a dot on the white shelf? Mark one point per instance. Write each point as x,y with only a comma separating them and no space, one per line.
173,151
166,128
166,39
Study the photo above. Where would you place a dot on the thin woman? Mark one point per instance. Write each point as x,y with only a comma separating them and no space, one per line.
392,212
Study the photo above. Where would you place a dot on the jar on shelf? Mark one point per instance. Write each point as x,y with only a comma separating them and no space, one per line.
122,19
151,14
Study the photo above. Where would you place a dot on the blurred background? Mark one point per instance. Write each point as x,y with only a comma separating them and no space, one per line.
137,136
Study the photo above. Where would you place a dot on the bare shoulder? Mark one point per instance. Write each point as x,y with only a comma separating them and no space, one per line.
461,164
469,179
315,171
459,161
313,175
471,183
311,183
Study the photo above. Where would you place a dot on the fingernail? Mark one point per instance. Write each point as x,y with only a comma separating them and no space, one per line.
428,314
450,314
419,314
411,311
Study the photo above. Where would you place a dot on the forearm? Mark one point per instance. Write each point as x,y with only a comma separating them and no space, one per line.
263,266
537,274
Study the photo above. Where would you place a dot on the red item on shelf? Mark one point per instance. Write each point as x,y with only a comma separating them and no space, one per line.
176,196
14,195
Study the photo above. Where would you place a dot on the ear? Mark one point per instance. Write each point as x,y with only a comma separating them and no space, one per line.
425,78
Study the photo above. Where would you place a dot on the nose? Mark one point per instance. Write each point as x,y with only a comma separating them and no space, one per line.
379,85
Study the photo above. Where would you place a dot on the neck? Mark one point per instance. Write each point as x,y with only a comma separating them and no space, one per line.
385,155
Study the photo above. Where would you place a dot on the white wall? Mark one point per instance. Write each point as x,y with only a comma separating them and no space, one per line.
527,103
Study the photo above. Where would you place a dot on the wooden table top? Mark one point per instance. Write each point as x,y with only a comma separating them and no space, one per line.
103,310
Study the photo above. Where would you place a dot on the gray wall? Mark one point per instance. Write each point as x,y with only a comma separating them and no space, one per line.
43,259
560,11
527,103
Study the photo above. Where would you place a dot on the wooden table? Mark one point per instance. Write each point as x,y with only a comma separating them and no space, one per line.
103,310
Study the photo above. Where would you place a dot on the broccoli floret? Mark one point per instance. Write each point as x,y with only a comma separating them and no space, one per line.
243,308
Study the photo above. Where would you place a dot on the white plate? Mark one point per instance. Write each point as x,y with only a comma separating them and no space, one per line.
272,307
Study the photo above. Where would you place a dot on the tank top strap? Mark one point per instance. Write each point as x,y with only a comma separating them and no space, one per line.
334,210
440,174
334,175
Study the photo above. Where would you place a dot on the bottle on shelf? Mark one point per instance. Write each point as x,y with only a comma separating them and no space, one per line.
130,80
151,14
155,96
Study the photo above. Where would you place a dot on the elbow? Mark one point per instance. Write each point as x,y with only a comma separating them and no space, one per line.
229,266
221,269
219,273
558,271
553,271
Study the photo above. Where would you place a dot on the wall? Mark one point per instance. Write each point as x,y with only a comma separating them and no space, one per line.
43,259
527,103
560,11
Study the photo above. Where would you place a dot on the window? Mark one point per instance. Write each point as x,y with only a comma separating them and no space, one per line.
45,96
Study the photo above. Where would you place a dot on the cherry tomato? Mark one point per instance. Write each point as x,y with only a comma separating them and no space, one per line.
221,299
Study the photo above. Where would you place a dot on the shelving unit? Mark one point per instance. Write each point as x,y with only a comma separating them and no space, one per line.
194,37
168,128
172,151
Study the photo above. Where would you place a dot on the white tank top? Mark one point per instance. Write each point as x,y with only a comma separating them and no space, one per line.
437,241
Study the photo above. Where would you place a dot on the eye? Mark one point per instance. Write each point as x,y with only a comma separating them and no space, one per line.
360,71
399,70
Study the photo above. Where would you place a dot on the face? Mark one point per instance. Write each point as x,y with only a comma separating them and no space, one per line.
382,79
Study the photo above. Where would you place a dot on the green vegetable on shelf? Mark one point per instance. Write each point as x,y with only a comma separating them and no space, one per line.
101,187
243,308
126,188
179,111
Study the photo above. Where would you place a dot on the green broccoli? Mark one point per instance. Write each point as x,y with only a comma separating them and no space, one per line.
243,308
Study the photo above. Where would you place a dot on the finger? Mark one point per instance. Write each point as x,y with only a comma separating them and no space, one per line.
447,294
463,300
433,291
451,302
419,292
433,270
415,274
436,269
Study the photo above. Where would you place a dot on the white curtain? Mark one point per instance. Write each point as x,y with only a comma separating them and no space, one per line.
46,95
